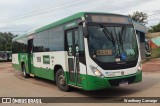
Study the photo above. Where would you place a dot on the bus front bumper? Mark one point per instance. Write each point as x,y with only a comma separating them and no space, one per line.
96,83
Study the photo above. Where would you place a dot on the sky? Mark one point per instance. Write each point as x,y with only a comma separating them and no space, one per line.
20,16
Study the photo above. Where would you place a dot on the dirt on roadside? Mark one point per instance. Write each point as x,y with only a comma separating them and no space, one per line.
152,65
6,67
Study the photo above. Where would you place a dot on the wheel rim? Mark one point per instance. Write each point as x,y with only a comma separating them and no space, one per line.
24,73
61,80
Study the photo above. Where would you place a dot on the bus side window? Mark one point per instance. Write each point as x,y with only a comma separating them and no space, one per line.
80,41
69,43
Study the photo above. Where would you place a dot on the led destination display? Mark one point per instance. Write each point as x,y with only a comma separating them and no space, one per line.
108,19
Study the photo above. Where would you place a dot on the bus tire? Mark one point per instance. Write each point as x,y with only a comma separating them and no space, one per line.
25,75
61,81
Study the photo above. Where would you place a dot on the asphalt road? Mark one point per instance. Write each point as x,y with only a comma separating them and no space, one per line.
12,84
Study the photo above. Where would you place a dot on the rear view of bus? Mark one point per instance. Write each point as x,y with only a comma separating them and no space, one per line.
112,51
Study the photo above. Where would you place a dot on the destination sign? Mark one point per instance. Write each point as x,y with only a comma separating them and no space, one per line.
109,19
104,52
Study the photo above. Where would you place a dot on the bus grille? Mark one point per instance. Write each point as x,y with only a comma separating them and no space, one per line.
115,82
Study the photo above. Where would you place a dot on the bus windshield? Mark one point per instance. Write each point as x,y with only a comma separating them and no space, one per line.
112,43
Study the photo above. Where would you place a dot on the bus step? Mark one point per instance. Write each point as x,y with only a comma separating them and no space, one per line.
32,75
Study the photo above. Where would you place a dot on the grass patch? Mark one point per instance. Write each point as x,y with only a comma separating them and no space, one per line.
155,53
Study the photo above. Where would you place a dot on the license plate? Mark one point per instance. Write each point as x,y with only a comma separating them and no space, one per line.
123,83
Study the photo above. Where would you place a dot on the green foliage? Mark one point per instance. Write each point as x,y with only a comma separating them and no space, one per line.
6,41
155,28
140,17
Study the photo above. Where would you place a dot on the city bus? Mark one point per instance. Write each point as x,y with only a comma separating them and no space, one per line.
5,55
87,50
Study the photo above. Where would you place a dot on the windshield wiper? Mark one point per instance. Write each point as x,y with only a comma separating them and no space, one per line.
107,33
121,35
119,40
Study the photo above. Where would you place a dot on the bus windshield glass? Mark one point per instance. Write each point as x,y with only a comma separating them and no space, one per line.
112,43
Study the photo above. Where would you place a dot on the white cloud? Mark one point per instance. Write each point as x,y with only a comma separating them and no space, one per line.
10,2
12,8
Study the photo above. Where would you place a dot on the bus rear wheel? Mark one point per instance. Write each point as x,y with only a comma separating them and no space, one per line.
25,75
61,81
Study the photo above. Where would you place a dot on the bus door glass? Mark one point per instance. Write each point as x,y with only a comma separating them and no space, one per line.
72,46
30,56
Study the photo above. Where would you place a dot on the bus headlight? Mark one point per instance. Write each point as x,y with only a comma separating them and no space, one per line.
96,72
139,67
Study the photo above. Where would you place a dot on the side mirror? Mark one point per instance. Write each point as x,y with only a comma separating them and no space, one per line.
85,30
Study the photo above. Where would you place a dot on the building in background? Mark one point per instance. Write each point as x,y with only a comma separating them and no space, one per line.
154,39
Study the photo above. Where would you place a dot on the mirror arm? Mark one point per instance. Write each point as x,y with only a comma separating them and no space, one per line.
85,30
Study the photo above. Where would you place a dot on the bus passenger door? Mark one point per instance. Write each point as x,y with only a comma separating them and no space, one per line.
72,46
30,56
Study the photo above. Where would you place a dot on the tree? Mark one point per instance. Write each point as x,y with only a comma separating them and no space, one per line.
155,28
6,41
140,17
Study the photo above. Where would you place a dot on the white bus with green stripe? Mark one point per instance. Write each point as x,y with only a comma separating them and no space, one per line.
89,51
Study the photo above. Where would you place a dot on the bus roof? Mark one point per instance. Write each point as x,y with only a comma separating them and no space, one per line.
57,23
139,27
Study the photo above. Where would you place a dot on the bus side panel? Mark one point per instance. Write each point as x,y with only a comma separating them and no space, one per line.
23,59
15,62
44,63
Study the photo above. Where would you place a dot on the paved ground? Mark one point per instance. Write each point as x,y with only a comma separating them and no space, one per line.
13,84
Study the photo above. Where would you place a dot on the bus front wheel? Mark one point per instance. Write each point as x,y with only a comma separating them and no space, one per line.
61,81
24,71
